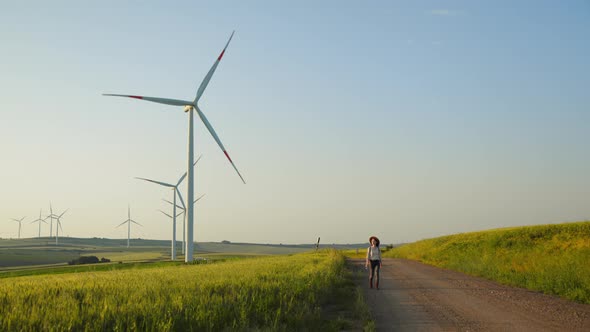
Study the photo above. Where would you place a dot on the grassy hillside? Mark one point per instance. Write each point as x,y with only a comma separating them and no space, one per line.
265,293
554,259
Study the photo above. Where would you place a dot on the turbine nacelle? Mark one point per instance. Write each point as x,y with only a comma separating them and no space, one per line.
188,108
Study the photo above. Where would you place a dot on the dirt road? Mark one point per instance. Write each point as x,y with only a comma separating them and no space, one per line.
418,297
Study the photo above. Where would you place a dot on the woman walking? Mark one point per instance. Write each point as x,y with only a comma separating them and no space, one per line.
373,258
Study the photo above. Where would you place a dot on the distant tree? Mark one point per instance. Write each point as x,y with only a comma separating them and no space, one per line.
88,260
225,242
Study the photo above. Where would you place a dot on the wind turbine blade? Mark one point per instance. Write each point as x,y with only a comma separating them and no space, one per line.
179,214
178,206
184,175
207,78
62,214
198,198
157,182
59,224
121,224
212,131
169,216
167,101
133,221
181,199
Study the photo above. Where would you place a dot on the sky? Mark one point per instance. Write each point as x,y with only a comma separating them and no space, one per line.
405,120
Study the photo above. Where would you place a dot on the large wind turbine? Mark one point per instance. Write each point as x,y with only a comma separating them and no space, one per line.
19,221
129,221
39,220
58,225
189,106
174,192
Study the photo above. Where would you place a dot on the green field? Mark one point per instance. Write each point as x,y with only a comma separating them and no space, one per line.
310,291
43,251
554,259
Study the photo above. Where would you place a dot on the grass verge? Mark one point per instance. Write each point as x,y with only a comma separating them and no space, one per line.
553,259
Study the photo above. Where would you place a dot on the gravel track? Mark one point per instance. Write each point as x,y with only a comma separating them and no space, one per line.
418,297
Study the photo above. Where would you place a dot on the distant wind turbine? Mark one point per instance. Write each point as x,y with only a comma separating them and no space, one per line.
19,221
189,106
58,225
173,255
129,221
50,216
174,192
180,207
183,208
39,220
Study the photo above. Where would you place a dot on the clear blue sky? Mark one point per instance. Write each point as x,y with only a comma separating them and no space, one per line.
406,120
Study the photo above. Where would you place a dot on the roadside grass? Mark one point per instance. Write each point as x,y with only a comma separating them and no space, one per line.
554,259
346,309
309,291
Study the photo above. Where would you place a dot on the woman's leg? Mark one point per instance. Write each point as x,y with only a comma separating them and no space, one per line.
378,269
372,274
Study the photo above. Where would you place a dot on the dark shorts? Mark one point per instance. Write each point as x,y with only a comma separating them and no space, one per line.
375,267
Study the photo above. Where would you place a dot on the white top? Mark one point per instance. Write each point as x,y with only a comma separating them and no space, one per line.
374,254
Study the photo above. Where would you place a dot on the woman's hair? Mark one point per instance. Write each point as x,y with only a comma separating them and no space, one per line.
376,240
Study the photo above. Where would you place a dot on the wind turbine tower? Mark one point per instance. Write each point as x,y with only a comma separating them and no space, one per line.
189,107
129,221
